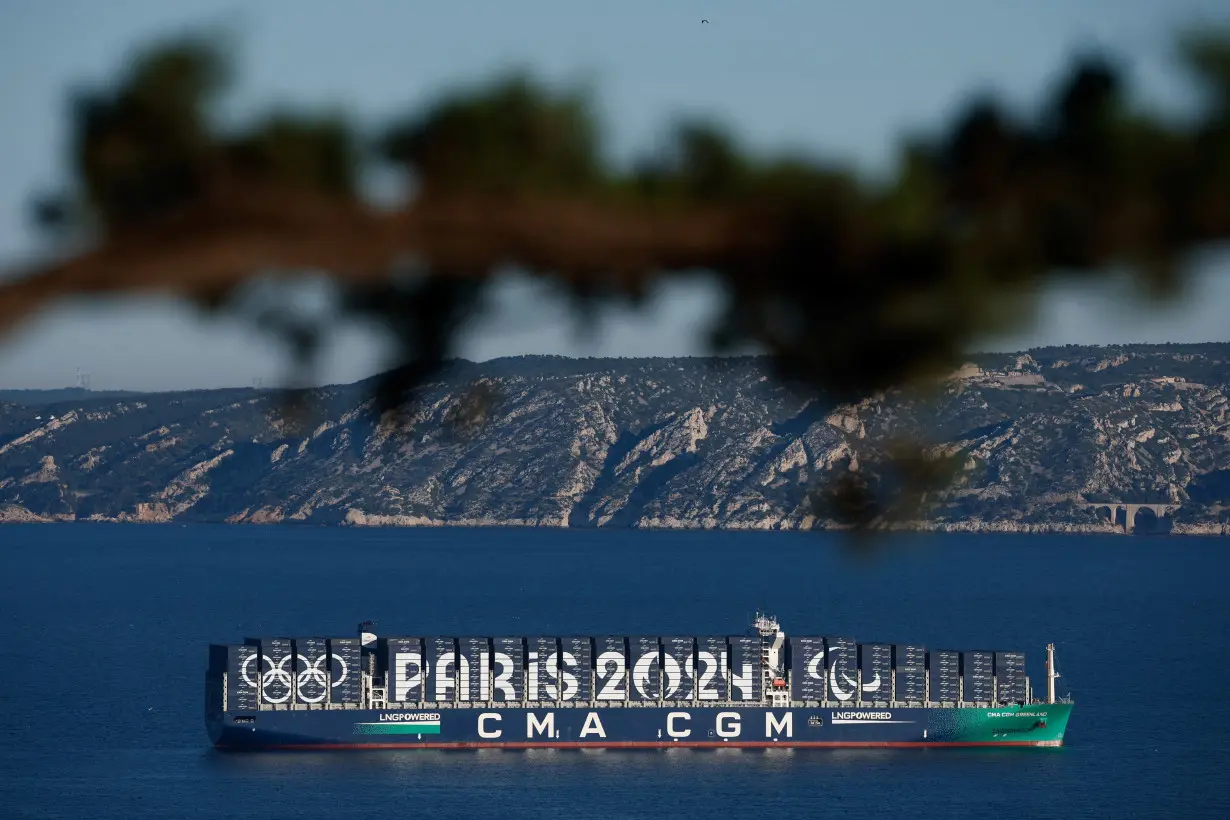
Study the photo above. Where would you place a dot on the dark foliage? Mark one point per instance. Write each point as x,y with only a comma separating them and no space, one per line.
852,287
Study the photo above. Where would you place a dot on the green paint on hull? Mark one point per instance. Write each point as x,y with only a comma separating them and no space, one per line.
397,728
1040,724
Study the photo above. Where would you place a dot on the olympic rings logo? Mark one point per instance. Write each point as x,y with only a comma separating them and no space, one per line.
314,675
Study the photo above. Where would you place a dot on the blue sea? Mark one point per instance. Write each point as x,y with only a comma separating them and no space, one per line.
104,631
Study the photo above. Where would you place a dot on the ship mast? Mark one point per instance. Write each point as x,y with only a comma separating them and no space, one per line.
1051,674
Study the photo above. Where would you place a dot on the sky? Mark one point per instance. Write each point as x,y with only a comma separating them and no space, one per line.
837,80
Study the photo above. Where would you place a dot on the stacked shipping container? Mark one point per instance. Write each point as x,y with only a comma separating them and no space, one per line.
442,669
345,657
945,670
678,659
712,669
646,668
243,671
311,670
807,668
978,670
406,681
611,669
1010,677
508,670
876,662
841,665
576,668
746,682
276,671
910,663
543,669
474,668
279,671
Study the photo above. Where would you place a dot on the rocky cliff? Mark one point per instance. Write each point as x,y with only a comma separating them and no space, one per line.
641,443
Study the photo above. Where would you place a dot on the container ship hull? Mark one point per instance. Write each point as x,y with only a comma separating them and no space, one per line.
646,727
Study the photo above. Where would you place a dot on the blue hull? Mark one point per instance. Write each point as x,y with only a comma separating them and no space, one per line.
656,727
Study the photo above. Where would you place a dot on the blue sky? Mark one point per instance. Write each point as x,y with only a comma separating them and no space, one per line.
837,79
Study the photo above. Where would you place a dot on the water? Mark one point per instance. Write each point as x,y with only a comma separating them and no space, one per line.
103,634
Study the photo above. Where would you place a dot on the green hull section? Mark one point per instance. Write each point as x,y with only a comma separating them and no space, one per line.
397,728
1039,724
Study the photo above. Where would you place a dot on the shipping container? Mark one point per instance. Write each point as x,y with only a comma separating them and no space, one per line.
543,665
977,670
745,677
1009,662
841,665
311,670
576,669
442,669
909,655
646,658
277,671
807,668
405,664
1011,689
875,660
508,670
712,669
474,669
678,670
345,662
944,667
611,668
1010,677
910,666
243,673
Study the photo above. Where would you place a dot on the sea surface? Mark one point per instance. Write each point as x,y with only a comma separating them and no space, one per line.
103,633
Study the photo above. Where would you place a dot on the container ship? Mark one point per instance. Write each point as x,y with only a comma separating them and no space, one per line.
759,689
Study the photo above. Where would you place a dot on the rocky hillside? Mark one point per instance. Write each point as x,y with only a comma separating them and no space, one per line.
640,443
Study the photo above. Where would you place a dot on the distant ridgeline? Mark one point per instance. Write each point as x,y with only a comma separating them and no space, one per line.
1063,439
33,398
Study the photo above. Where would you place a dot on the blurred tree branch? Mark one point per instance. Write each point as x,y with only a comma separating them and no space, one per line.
852,287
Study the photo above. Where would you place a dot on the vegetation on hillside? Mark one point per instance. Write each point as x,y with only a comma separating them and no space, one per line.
853,286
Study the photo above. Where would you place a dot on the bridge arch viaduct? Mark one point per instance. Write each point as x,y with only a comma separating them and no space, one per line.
1161,510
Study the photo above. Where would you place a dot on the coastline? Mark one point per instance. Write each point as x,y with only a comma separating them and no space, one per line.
1051,441
15,514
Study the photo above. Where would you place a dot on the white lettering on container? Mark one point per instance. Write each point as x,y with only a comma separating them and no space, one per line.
445,682
503,678
403,680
